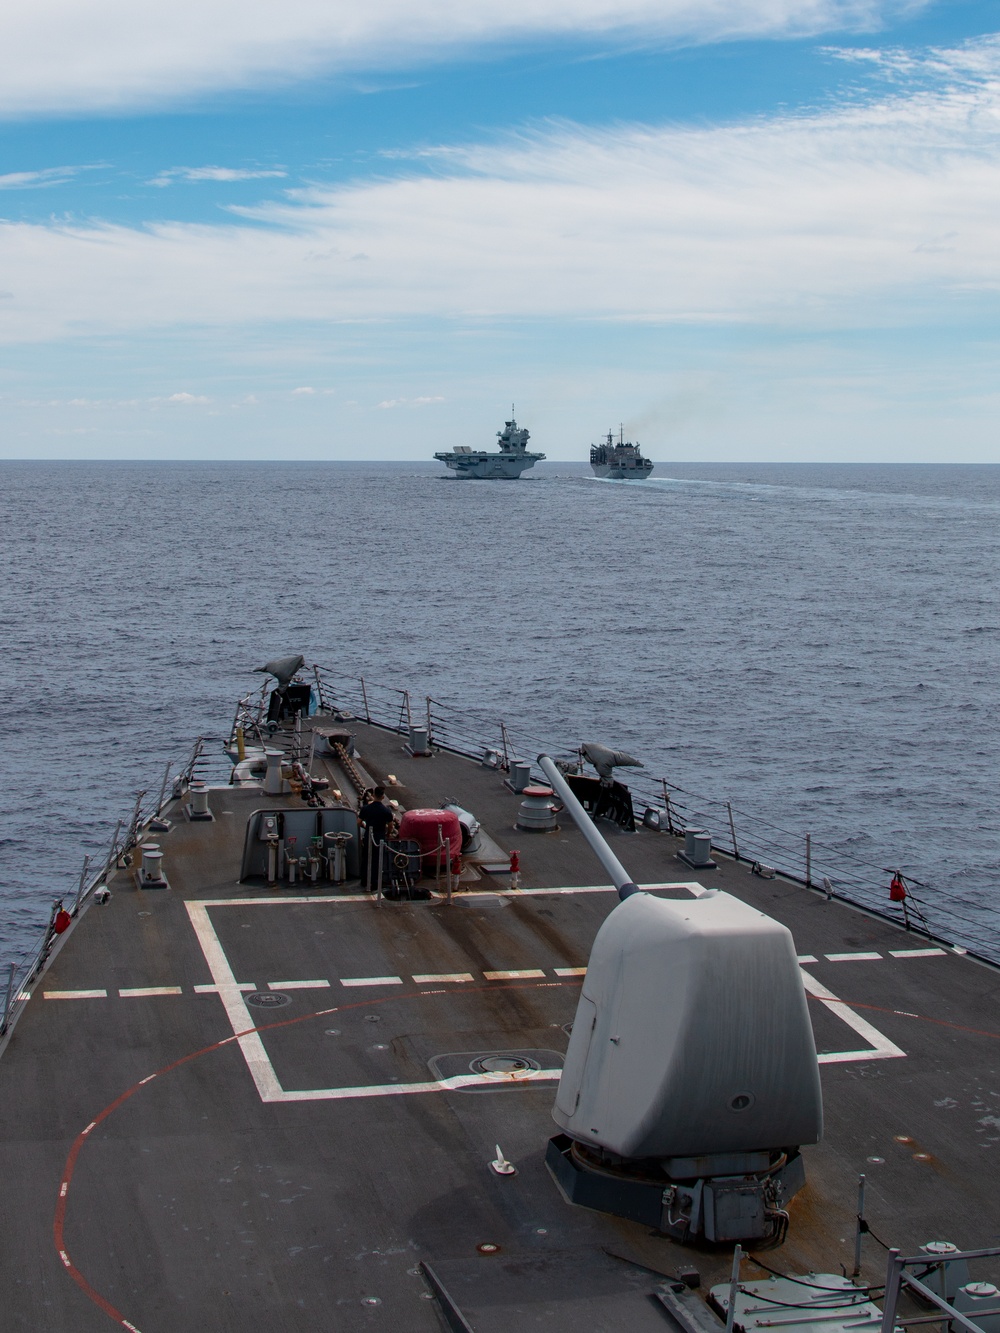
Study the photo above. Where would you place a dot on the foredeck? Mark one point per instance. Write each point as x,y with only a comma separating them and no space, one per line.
177,1158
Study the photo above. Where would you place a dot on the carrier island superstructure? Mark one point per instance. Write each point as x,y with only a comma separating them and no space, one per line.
512,459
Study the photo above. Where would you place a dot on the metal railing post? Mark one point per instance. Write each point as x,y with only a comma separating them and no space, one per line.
666,806
809,860
732,830
860,1230
430,728
83,883
364,696
409,715
734,1285
112,853
10,994
893,1271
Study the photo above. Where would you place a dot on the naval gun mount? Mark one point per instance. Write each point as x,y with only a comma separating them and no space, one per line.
691,1079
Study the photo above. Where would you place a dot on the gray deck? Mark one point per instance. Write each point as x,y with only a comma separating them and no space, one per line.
285,1182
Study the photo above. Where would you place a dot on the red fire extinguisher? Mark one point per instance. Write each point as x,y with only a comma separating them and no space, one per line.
515,870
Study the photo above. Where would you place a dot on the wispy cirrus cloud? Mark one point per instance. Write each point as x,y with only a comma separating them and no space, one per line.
59,54
36,180
197,175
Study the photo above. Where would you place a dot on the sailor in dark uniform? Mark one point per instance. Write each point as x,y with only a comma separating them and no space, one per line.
375,818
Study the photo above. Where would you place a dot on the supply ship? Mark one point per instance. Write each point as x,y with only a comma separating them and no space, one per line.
619,460
541,1056
512,459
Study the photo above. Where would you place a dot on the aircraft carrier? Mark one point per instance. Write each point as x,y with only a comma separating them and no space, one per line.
253,1082
506,464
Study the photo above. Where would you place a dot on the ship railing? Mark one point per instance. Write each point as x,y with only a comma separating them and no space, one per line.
99,867
767,847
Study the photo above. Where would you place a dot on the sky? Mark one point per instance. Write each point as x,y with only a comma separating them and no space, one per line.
314,229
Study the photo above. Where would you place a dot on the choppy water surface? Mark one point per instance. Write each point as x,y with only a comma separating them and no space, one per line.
815,643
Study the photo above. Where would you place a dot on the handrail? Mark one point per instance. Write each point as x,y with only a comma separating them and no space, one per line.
797,856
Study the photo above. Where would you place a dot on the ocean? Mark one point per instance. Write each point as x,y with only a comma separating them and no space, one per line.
816,644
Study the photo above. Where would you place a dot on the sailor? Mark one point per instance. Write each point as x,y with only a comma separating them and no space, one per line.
375,817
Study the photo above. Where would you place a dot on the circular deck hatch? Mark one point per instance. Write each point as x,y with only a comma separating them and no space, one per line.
268,999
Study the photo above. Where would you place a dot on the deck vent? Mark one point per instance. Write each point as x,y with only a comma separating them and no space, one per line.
419,742
268,999
697,849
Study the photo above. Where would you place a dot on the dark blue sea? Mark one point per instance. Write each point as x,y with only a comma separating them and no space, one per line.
816,644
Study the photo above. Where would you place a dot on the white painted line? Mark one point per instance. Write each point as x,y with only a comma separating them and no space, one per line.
436,1085
514,976
135,991
252,1048
570,971
228,989
881,1047
75,994
917,953
464,893
853,957
231,985
298,985
425,977
807,958
371,981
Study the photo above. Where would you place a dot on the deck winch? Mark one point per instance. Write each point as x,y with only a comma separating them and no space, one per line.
691,1078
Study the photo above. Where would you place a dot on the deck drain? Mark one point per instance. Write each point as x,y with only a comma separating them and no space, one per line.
268,999
488,1247
503,1064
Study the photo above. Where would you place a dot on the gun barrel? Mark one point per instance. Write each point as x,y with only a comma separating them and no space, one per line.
620,877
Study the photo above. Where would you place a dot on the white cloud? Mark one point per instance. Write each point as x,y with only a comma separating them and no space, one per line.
193,175
305,389
34,180
409,402
61,54
867,214
188,398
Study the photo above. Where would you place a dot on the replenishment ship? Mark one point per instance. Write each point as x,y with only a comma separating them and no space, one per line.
389,1027
619,460
512,459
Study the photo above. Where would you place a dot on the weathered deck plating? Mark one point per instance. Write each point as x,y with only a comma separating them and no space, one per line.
209,1163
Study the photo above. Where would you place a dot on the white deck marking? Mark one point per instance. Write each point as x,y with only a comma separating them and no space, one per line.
298,985
466,893
231,985
263,1073
853,957
514,976
806,958
881,1047
134,991
434,1085
917,953
74,994
230,994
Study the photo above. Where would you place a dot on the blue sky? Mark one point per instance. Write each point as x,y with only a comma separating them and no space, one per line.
751,229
